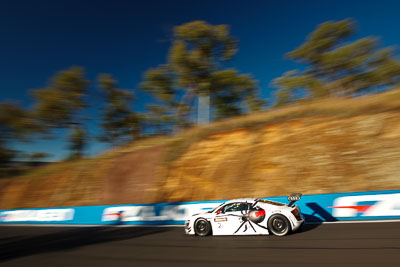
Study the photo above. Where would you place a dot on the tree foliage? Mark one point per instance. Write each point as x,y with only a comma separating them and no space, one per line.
11,126
160,82
119,122
38,156
59,105
337,67
15,124
194,68
233,91
77,141
160,119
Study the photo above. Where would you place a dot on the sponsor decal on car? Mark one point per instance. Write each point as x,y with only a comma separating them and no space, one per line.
220,219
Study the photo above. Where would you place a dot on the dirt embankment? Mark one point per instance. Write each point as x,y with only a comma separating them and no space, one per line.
318,155
325,146
127,177
133,177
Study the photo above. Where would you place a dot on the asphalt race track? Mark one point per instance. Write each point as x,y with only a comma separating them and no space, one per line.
361,244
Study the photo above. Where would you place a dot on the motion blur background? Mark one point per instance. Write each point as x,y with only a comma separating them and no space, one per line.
157,101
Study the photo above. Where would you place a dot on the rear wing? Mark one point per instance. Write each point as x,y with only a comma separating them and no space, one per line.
293,198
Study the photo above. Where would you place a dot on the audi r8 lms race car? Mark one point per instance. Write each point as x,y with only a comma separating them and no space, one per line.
248,216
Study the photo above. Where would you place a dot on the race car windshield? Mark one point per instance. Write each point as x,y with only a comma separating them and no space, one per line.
217,207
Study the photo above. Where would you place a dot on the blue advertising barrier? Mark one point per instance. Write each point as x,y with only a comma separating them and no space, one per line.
374,205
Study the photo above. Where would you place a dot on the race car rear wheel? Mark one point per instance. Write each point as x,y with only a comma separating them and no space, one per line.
202,227
278,225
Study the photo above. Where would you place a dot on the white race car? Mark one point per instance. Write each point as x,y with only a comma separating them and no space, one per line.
248,216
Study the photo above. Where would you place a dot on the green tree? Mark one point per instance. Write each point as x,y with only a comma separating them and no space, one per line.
38,156
59,105
335,66
159,118
194,68
160,82
15,124
119,122
77,140
232,90
6,156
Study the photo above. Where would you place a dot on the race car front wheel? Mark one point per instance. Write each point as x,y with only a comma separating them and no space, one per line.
278,225
202,227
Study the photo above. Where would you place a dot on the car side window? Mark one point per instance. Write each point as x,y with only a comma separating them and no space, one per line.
237,206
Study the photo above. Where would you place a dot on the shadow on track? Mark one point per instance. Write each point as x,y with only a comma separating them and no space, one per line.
307,227
70,239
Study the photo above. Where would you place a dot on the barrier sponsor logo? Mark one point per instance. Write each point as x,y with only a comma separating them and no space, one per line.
367,205
129,213
45,215
314,208
157,212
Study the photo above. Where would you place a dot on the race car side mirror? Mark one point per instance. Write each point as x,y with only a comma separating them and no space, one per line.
219,211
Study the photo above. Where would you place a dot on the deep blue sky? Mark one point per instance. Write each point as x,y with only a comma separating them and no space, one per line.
124,38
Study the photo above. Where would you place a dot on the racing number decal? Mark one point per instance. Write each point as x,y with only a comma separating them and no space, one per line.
220,221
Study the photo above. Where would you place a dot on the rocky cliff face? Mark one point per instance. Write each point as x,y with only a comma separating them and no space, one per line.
313,155
318,155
